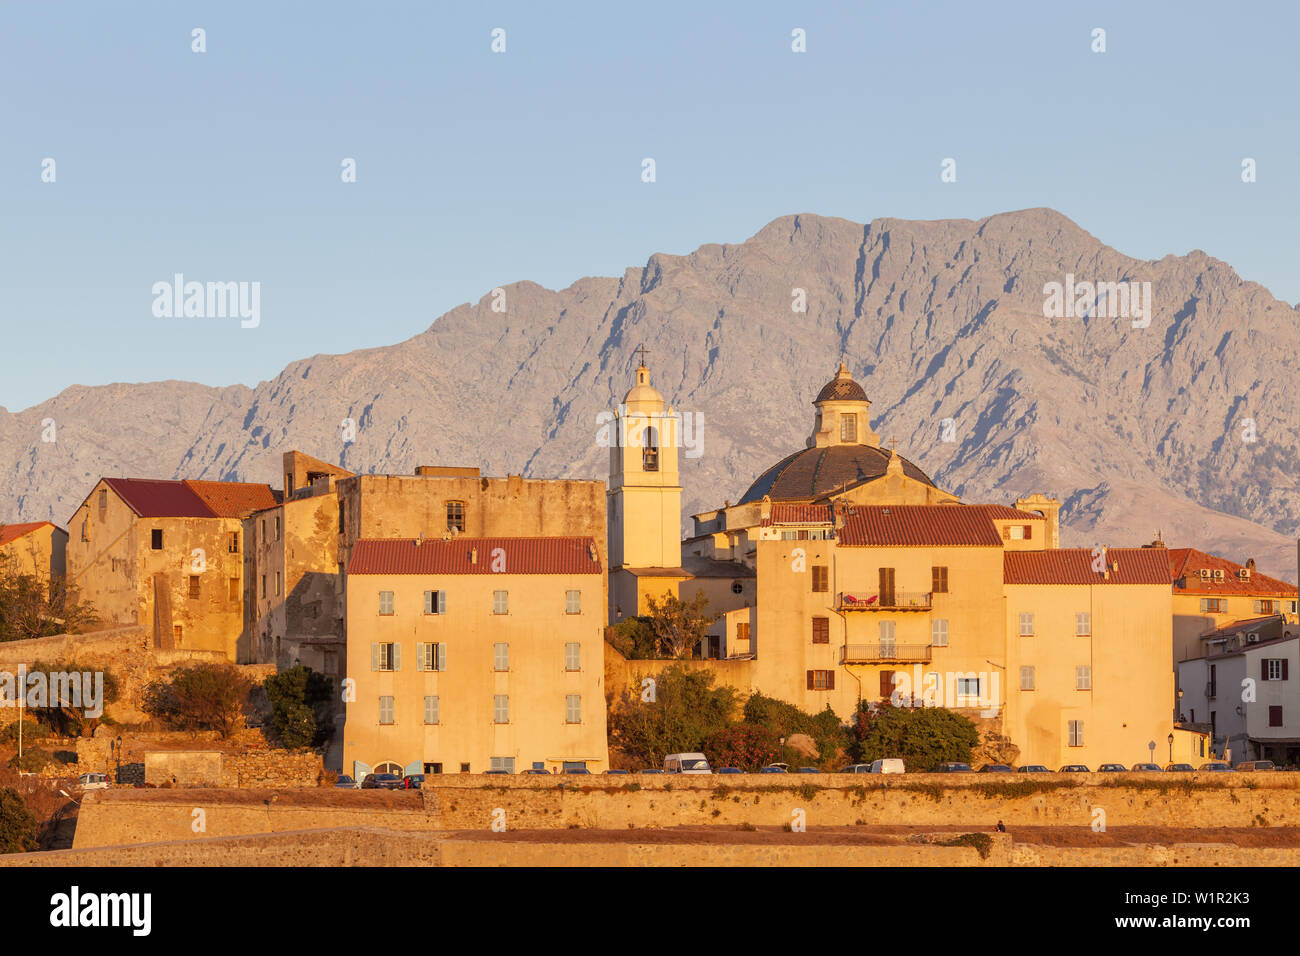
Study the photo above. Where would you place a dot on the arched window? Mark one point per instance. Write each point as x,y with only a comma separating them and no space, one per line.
650,450
389,767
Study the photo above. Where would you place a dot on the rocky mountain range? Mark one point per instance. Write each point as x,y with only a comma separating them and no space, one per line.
1182,422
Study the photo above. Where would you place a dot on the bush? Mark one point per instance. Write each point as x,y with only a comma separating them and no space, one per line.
686,711
17,825
32,730
69,718
634,638
301,701
34,760
784,720
922,736
201,697
744,746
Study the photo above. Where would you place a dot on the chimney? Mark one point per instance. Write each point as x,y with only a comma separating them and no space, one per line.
419,539
473,555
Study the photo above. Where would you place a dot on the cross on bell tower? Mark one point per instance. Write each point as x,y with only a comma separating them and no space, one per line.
641,354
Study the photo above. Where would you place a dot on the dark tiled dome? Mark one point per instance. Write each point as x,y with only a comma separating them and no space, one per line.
841,390
815,472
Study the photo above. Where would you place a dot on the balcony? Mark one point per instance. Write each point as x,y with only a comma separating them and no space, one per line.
884,653
889,601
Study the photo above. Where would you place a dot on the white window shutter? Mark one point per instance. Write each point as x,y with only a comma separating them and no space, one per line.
442,602
419,656
442,657
374,656
397,656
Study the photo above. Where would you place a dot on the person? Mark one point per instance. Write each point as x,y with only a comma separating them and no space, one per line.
1000,828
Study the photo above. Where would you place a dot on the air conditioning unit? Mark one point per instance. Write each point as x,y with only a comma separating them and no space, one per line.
1243,573
1205,574
1252,637
1218,574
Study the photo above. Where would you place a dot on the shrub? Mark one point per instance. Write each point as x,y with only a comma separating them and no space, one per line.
33,761
200,697
32,730
686,711
921,736
742,745
300,706
68,716
17,825
634,638
785,720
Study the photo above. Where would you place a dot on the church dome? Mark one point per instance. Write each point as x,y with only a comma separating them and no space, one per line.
817,472
841,388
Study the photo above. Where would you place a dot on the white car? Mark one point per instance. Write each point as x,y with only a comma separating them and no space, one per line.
686,763
93,781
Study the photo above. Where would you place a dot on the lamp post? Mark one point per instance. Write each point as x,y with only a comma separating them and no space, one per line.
1171,748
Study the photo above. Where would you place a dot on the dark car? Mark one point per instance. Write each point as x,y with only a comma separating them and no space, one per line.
413,781
953,766
1249,766
1032,768
1216,766
345,783
496,772
536,770
1112,768
775,768
652,770
1147,768
856,768
1180,768
616,773
995,768
381,781
728,770
1074,768
807,770
578,771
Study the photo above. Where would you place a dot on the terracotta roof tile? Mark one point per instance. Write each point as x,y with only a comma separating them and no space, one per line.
12,532
790,513
1185,566
557,555
157,498
918,526
1075,566
234,499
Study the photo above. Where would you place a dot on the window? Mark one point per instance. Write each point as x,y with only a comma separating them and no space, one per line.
502,763
1026,624
1083,677
331,662
501,709
1212,605
968,687
1264,607
277,527
431,657
737,587
85,529
500,602
455,516
886,685
572,602
385,657
1017,532
1026,678
886,632
233,545
849,428
821,630
277,583
234,589
435,602
177,631
103,499
1083,624
1076,733
789,535
1274,668
939,580
573,708
821,577
573,656
939,632
431,710
501,656
385,602
386,710
742,630
263,590
155,539
263,531
341,515
821,680
650,451
1274,716
195,592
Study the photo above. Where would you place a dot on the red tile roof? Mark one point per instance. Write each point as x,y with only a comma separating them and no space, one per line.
234,499
153,498
1075,566
1002,512
12,532
521,556
1185,566
918,526
788,513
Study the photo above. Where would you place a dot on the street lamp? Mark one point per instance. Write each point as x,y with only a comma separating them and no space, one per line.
1171,748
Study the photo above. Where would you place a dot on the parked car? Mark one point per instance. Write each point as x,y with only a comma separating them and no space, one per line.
776,768
496,772
807,770
1074,768
1180,768
995,768
952,766
616,773
650,771
536,770
578,772
887,765
1216,766
728,770
381,781
1248,766
93,781
1146,768
1032,768
1112,768
413,781
855,768
345,783
686,763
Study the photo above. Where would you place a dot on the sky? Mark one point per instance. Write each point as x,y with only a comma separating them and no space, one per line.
477,168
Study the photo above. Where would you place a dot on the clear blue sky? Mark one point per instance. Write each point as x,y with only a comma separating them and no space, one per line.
477,169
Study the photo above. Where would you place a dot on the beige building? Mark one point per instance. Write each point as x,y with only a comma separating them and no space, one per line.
38,548
473,654
1211,592
844,574
167,555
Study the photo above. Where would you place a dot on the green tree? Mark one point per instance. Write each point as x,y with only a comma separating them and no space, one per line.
744,746
679,625
203,696
17,825
301,702
681,711
634,638
32,606
784,720
65,713
921,736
